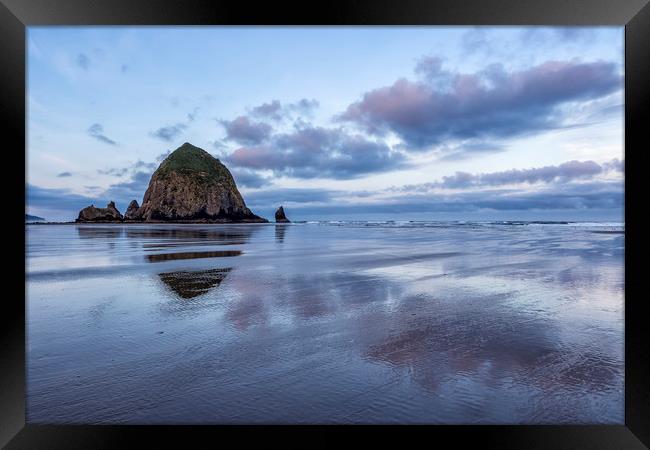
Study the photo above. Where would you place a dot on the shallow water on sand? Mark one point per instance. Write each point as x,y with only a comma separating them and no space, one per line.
315,323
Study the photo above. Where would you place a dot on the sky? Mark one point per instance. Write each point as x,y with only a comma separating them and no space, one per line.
335,123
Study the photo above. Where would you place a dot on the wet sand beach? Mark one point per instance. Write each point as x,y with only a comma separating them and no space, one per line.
454,323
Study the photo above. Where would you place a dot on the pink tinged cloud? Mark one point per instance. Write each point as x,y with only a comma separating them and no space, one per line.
491,103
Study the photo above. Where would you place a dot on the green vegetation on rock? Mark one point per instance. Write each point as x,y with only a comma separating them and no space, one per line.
188,159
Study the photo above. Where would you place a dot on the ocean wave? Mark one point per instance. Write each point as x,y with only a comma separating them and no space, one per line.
609,226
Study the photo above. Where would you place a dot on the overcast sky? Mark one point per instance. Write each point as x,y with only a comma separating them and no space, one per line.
333,123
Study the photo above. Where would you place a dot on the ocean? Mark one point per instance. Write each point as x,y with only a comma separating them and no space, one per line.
326,322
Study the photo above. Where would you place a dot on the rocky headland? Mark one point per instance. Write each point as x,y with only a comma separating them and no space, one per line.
30,218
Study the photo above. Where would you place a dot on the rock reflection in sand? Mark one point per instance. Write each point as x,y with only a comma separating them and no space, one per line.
166,235
280,232
192,284
224,235
159,257
100,232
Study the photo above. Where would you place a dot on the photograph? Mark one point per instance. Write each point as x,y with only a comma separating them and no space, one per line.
325,225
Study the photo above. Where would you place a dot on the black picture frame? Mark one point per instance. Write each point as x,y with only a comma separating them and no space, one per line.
16,15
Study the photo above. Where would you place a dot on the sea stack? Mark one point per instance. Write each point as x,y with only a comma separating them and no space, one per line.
280,217
191,185
132,211
93,214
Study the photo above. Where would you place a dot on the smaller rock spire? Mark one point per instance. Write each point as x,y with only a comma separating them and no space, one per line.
132,211
280,217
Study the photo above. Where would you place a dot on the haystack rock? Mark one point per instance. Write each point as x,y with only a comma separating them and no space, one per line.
190,185
93,214
132,211
280,217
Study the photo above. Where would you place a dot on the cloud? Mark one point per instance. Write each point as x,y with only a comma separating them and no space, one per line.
321,203
317,152
599,195
134,188
58,199
115,171
83,61
64,174
96,130
246,132
160,158
595,195
137,183
615,165
135,167
523,43
570,170
490,104
149,166
249,178
269,110
561,174
468,149
276,111
192,115
430,67
289,196
557,35
475,41
219,146
169,133
304,106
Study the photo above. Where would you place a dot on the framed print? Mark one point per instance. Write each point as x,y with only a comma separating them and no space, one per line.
414,217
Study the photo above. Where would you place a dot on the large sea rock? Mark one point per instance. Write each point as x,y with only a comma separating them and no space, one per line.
94,214
191,185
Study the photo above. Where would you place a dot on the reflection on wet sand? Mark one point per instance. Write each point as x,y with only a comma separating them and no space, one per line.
99,232
496,339
247,311
221,236
325,324
280,231
192,284
183,243
168,236
160,257
456,335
